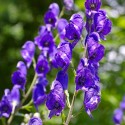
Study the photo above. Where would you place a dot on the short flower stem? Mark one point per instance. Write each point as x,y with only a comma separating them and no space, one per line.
71,109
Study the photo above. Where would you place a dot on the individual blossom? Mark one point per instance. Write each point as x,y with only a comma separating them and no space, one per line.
14,97
45,41
35,121
122,104
42,66
38,95
61,25
74,28
118,116
51,15
5,105
91,99
27,52
5,108
63,55
62,77
69,4
84,78
95,49
19,77
55,99
102,24
93,5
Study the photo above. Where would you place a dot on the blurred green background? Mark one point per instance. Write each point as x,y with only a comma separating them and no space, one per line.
19,22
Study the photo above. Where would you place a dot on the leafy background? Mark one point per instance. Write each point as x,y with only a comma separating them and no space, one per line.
19,22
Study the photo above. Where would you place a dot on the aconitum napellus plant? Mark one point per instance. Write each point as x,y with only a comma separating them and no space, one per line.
59,56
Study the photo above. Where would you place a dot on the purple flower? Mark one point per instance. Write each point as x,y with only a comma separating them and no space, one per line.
27,52
35,121
50,18
38,94
68,4
14,97
5,108
95,50
93,5
91,99
118,115
72,32
77,20
22,67
45,42
56,99
122,104
19,79
42,66
62,23
84,78
63,55
63,79
102,24
54,8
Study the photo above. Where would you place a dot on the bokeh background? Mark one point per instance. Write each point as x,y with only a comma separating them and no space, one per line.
19,22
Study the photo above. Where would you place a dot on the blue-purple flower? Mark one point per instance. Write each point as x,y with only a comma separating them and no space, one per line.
18,77
69,4
63,55
118,116
93,5
38,94
51,15
92,99
27,52
95,50
56,99
62,77
35,121
42,66
45,41
84,78
102,24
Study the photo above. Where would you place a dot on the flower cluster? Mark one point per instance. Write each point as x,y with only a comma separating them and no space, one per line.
87,79
118,113
60,56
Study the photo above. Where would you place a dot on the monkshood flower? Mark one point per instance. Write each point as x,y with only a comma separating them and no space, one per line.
55,99
69,4
14,97
51,15
118,116
92,99
63,55
93,5
42,66
122,104
84,78
35,121
61,25
74,28
38,93
5,108
45,41
95,50
19,77
27,52
102,24
62,77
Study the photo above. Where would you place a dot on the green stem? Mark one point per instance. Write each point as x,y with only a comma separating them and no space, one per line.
71,109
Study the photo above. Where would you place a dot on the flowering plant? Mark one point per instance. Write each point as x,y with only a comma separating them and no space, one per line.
59,56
